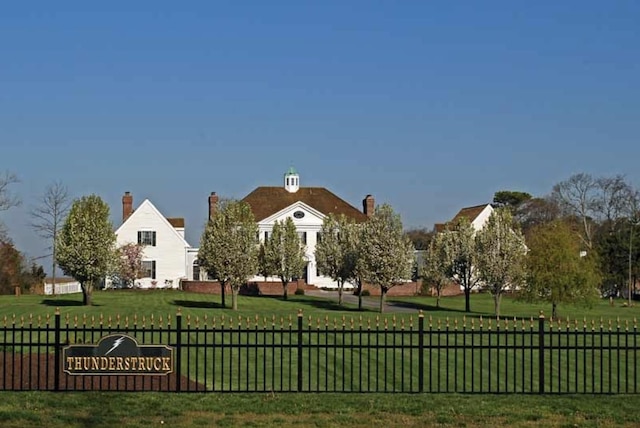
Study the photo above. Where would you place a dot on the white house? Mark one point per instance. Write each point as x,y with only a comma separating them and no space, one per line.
165,248
478,216
307,206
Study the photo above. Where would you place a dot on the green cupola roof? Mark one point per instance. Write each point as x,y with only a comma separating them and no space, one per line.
291,171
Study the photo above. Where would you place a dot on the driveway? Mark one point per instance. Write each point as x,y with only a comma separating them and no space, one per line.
368,302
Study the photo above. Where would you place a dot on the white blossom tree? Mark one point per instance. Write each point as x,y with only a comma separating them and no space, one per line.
501,254
284,253
229,246
335,251
386,258
85,248
461,253
434,266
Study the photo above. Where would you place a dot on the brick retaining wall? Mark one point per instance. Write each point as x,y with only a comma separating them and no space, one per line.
263,288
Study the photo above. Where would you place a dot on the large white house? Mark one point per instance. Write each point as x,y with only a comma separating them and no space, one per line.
307,206
164,260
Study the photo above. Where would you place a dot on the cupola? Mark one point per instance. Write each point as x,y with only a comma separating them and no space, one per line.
291,180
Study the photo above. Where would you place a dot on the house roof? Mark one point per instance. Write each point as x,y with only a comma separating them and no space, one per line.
176,221
470,213
266,201
153,208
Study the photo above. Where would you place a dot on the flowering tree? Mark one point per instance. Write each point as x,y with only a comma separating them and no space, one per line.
460,249
386,258
434,267
229,246
500,255
85,248
129,263
284,253
335,252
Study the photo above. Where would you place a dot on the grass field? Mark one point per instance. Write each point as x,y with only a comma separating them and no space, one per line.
71,410
163,303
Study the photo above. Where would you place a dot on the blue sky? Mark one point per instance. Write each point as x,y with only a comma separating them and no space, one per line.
429,106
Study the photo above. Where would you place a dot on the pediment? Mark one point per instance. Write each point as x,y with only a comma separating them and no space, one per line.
301,214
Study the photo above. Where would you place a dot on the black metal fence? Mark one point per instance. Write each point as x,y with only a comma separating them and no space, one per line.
339,355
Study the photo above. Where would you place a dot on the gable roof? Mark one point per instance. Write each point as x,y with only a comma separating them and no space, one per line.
471,213
266,201
155,210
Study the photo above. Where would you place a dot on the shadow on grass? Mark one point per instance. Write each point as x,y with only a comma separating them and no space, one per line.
330,305
64,302
433,308
197,304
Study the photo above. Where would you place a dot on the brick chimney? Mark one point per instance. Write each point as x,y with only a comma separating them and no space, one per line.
368,205
127,205
213,204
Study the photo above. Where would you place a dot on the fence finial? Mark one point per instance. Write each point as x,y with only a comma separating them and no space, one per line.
300,313
541,316
57,311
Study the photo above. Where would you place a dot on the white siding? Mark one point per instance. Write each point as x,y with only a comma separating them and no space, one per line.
169,251
482,218
311,223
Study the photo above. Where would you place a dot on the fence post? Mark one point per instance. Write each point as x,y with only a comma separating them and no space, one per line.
299,350
541,353
56,352
421,351
178,349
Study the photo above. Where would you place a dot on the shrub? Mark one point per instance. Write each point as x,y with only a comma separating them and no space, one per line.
365,293
299,292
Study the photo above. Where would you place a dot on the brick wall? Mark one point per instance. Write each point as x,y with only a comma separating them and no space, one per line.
406,289
262,288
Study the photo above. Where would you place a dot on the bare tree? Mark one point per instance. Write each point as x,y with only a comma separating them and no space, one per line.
7,199
48,217
578,196
613,198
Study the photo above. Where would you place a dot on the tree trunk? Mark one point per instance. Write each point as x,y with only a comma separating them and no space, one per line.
496,304
234,297
285,285
554,310
359,295
223,285
340,286
438,298
467,299
53,273
87,288
383,294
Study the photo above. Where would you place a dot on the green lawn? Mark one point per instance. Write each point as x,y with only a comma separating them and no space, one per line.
53,410
163,303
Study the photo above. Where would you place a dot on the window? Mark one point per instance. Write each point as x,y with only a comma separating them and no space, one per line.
303,237
147,237
319,237
149,269
266,236
196,271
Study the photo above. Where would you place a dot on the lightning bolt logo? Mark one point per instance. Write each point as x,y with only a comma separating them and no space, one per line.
115,344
